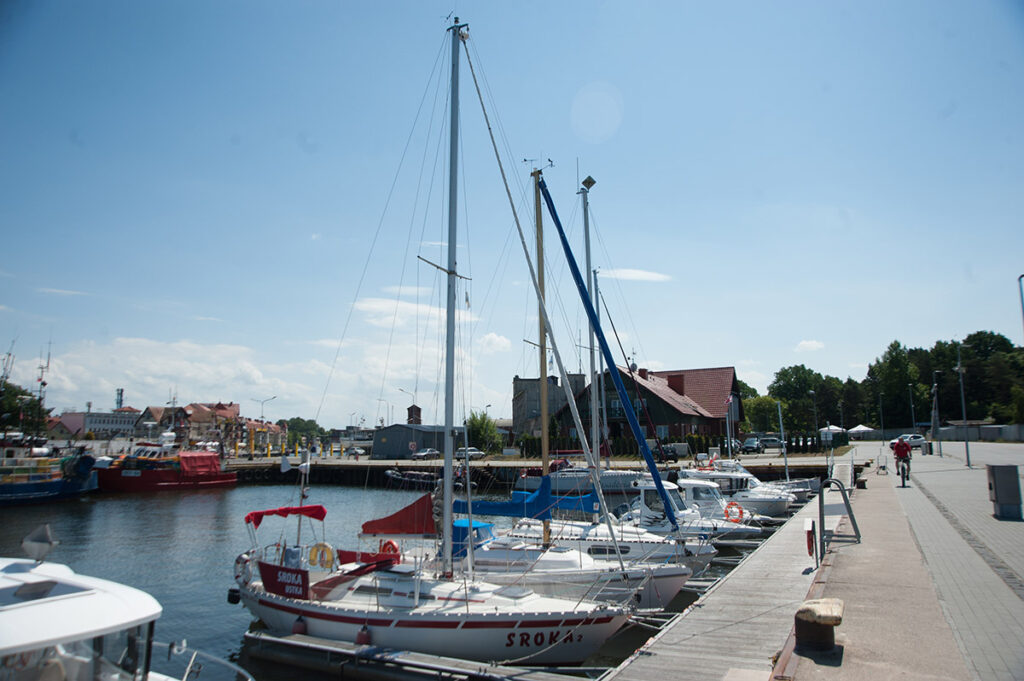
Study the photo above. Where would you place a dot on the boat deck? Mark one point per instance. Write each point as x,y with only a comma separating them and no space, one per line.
741,622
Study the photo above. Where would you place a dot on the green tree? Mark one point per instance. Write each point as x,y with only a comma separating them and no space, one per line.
482,432
21,410
299,428
746,392
762,414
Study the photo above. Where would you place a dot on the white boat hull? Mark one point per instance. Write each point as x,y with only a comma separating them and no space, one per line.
501,635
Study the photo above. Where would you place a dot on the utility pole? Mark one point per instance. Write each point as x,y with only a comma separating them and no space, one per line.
913,420
936,422
963,404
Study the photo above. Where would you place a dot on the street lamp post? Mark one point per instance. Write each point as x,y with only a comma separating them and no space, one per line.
881,416
262,402
388,409
814,401
963,404
913,419
936,422
1020,284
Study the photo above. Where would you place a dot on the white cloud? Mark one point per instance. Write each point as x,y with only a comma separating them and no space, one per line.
634,275
809,346
208,319
315,236
60,292
383,312
492,343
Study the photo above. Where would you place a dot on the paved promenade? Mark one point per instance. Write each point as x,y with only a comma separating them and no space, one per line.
936,589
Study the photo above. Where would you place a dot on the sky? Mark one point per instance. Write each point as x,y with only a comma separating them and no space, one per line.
237,200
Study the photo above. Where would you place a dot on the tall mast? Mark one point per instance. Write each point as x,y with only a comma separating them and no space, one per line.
603,417
595,438
543,345
449,358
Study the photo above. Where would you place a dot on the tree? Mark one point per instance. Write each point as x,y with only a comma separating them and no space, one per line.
746,392
21,410
762,414
299,428
482,432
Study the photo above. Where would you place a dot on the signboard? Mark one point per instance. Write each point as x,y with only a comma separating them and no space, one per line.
412,446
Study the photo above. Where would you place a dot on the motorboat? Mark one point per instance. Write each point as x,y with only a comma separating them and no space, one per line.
569,478
160,466
801,488
57,624
648,511
744,489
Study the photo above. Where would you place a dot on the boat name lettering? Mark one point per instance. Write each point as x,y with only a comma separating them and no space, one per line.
538,639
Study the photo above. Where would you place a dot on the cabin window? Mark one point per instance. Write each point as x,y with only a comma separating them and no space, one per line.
373,590
662,432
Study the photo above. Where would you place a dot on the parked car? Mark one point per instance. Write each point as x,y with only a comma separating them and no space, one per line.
428,453
771,442
670,454
752,444
914,440
355,451
473,452
736,446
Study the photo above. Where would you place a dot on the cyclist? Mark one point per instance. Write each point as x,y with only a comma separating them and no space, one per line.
901,452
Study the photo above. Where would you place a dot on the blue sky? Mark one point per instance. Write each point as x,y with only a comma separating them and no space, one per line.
227,199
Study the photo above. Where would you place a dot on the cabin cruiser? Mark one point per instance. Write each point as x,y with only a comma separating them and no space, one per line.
648,512
744,489
57,624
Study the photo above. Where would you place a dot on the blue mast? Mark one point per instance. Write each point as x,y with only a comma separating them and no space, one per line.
634,424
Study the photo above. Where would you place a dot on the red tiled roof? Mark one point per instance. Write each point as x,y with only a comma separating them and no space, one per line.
659,387
127,410
709,388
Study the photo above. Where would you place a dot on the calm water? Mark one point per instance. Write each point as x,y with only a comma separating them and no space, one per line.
180,546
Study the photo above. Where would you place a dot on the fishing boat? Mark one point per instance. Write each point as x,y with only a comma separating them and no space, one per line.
382,600
57,624
32,472
160,466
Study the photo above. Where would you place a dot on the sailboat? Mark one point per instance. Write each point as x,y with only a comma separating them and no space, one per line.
384,601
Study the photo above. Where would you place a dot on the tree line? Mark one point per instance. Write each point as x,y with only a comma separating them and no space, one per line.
898,388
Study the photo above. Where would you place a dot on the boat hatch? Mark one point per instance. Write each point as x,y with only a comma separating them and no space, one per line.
35,591
402,569
514,591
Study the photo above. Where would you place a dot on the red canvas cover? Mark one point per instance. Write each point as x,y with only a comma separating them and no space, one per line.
316,512
415,520
199,463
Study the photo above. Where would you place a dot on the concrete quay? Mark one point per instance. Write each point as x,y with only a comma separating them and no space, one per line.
934,590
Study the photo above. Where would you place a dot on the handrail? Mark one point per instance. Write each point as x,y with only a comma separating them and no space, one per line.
821,511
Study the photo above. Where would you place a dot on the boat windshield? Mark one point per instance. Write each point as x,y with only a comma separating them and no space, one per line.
707,494
115,656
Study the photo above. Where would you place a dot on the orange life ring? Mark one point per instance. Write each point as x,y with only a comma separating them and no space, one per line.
388,546
729,512
321,555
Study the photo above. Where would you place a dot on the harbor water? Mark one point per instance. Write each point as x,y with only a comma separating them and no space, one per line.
181,546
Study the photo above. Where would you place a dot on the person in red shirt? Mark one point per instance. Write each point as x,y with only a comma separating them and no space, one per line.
901,452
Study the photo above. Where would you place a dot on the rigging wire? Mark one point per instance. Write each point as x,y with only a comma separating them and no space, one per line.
373,244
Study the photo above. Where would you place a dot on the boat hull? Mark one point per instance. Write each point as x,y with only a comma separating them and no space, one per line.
550,639
17,493
155,480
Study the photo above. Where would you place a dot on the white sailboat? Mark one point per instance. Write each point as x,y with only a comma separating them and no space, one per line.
387,603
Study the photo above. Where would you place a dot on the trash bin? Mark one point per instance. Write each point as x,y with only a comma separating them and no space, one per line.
926,448
1004,491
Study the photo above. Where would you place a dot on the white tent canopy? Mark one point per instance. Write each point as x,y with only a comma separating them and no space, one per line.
833,429
861,429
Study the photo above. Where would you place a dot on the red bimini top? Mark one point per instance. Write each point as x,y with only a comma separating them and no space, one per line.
316,512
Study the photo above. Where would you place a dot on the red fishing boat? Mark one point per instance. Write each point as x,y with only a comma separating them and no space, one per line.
152,467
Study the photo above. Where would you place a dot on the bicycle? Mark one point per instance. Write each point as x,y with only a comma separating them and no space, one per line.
903,465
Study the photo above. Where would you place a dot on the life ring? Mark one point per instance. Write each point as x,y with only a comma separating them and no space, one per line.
243,569
388,546
733,512
321,555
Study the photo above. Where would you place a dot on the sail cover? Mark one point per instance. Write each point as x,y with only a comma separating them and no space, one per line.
199,463
522,505
415,520
316,512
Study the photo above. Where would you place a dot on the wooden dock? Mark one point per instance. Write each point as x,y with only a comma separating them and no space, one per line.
734,630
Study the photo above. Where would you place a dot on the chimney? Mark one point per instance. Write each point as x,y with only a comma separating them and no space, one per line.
643,374
414,417
677,382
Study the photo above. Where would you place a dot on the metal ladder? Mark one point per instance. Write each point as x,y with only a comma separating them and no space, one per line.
832,482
